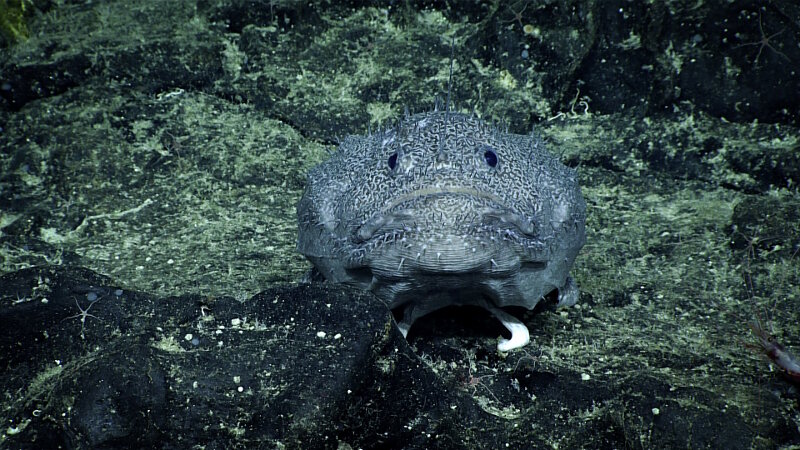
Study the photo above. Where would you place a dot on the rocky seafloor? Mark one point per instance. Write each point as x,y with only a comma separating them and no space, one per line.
152,153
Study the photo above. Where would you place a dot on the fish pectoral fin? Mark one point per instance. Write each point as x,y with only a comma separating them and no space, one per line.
568,294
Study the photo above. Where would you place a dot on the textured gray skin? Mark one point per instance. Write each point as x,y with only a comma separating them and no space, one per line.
443,226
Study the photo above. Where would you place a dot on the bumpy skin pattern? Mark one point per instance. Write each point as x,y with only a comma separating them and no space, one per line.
444,209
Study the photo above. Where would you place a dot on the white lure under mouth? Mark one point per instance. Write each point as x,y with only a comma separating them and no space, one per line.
520,336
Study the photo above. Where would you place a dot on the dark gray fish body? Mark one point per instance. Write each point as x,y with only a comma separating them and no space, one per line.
445,209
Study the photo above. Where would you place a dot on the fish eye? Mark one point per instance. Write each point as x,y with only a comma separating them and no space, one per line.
490,157
392,161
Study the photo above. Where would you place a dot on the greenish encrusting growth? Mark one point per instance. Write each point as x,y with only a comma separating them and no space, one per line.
14,15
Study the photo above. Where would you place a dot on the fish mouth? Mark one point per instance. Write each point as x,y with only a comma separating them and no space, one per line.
455,242
394,220
440,191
